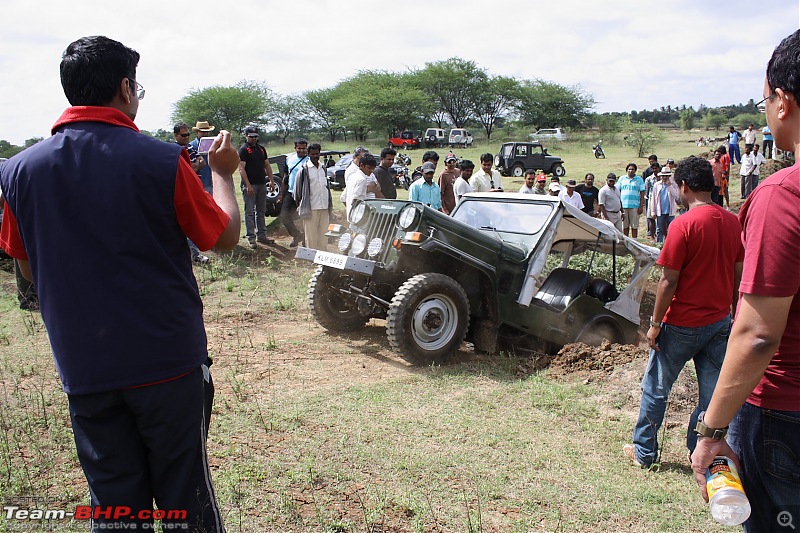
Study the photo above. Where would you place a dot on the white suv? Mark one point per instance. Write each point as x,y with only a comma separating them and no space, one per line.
459,137
435,137
556,134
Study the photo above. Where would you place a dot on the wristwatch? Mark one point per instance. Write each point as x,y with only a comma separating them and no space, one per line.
654,324
703,430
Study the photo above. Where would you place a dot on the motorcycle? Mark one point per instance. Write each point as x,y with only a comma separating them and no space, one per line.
597,150
400,171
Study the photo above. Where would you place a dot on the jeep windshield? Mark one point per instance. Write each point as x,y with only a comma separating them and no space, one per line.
505,216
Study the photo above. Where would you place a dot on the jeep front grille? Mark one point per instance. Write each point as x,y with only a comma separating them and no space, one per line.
384,226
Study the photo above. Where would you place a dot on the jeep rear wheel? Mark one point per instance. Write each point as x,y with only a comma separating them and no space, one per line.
332,309
517,170
428,318
559,171
596,333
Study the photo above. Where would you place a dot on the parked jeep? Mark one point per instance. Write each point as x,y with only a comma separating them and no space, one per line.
435,137
460,137
515,158
500,273
405,140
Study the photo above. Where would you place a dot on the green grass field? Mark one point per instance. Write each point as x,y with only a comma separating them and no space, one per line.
314,432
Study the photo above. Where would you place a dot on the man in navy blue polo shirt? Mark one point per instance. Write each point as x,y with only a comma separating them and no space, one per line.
125,321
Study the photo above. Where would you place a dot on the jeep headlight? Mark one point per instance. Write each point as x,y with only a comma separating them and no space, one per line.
359,243
374,247
344,242
357,212
407,216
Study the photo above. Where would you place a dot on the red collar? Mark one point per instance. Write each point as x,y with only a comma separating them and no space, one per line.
85,113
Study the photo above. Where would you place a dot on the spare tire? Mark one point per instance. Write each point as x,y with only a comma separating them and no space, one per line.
273,205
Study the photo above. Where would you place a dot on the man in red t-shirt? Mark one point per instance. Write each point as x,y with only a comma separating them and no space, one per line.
761,375
702,262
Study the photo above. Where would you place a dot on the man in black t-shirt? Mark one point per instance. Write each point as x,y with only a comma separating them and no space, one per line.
254,168
589,194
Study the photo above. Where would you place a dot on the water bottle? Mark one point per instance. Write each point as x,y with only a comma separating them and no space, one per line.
726,497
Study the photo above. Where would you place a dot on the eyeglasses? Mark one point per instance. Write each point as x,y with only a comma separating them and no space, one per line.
768,97
139,89
252,136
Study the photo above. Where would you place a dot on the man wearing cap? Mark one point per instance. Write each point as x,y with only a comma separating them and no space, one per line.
425,190
663,203
447,180
180,132
589,194
609,202
486,179
530,182
254,167
117,292
631,191
202,129
461,186
554,189
570,196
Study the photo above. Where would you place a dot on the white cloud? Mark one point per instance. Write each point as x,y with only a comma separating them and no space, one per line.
628,54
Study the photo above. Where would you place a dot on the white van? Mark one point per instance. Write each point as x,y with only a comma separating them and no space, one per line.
460,137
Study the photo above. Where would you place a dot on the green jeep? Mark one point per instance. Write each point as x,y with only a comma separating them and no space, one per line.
482,275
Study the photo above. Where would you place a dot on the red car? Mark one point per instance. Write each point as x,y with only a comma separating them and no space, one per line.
405,140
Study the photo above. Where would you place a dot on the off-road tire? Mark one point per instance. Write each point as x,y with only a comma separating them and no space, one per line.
559,170
518,170
596,333
428,318
328,306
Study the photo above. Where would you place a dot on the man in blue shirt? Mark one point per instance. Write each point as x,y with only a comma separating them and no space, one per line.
733,145
289,208
631,190
425,190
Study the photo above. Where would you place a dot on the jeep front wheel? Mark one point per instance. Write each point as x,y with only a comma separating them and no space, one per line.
428,318
559,171
332,309
517,171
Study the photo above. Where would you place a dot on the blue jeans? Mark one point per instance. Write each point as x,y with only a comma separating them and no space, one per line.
662,223
706,346
768,445
255,207
733,149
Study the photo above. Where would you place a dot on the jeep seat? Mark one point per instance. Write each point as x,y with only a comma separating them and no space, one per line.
561,287
602,290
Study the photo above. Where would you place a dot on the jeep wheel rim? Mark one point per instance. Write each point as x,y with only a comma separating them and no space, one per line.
434,322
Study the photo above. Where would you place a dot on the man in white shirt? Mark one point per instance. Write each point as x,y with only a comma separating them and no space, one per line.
486,179
746,172
749,136
351,169
758,160
313,197
570,196
461,186
363,183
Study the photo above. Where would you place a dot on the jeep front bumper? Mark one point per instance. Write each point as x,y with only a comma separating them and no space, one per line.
338,261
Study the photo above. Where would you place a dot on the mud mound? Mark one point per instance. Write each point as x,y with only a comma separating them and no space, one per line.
603,359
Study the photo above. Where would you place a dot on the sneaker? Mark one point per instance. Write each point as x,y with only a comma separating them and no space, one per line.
266,240
630,452
253,244
200,259
293,244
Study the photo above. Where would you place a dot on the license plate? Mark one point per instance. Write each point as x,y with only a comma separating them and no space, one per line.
330,260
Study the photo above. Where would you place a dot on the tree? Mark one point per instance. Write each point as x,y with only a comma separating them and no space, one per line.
285,115
545,104
609,125
9,150
380,101
714,121
687,118
451,86
493,99
320,110
643,137
230,108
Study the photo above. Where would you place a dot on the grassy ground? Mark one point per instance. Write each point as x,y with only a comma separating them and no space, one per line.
314,432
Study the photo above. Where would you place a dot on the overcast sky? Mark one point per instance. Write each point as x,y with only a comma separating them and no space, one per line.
628,54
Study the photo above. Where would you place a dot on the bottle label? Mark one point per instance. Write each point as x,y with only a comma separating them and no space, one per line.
720,474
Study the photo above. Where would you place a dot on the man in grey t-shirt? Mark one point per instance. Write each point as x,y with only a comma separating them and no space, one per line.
610,203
